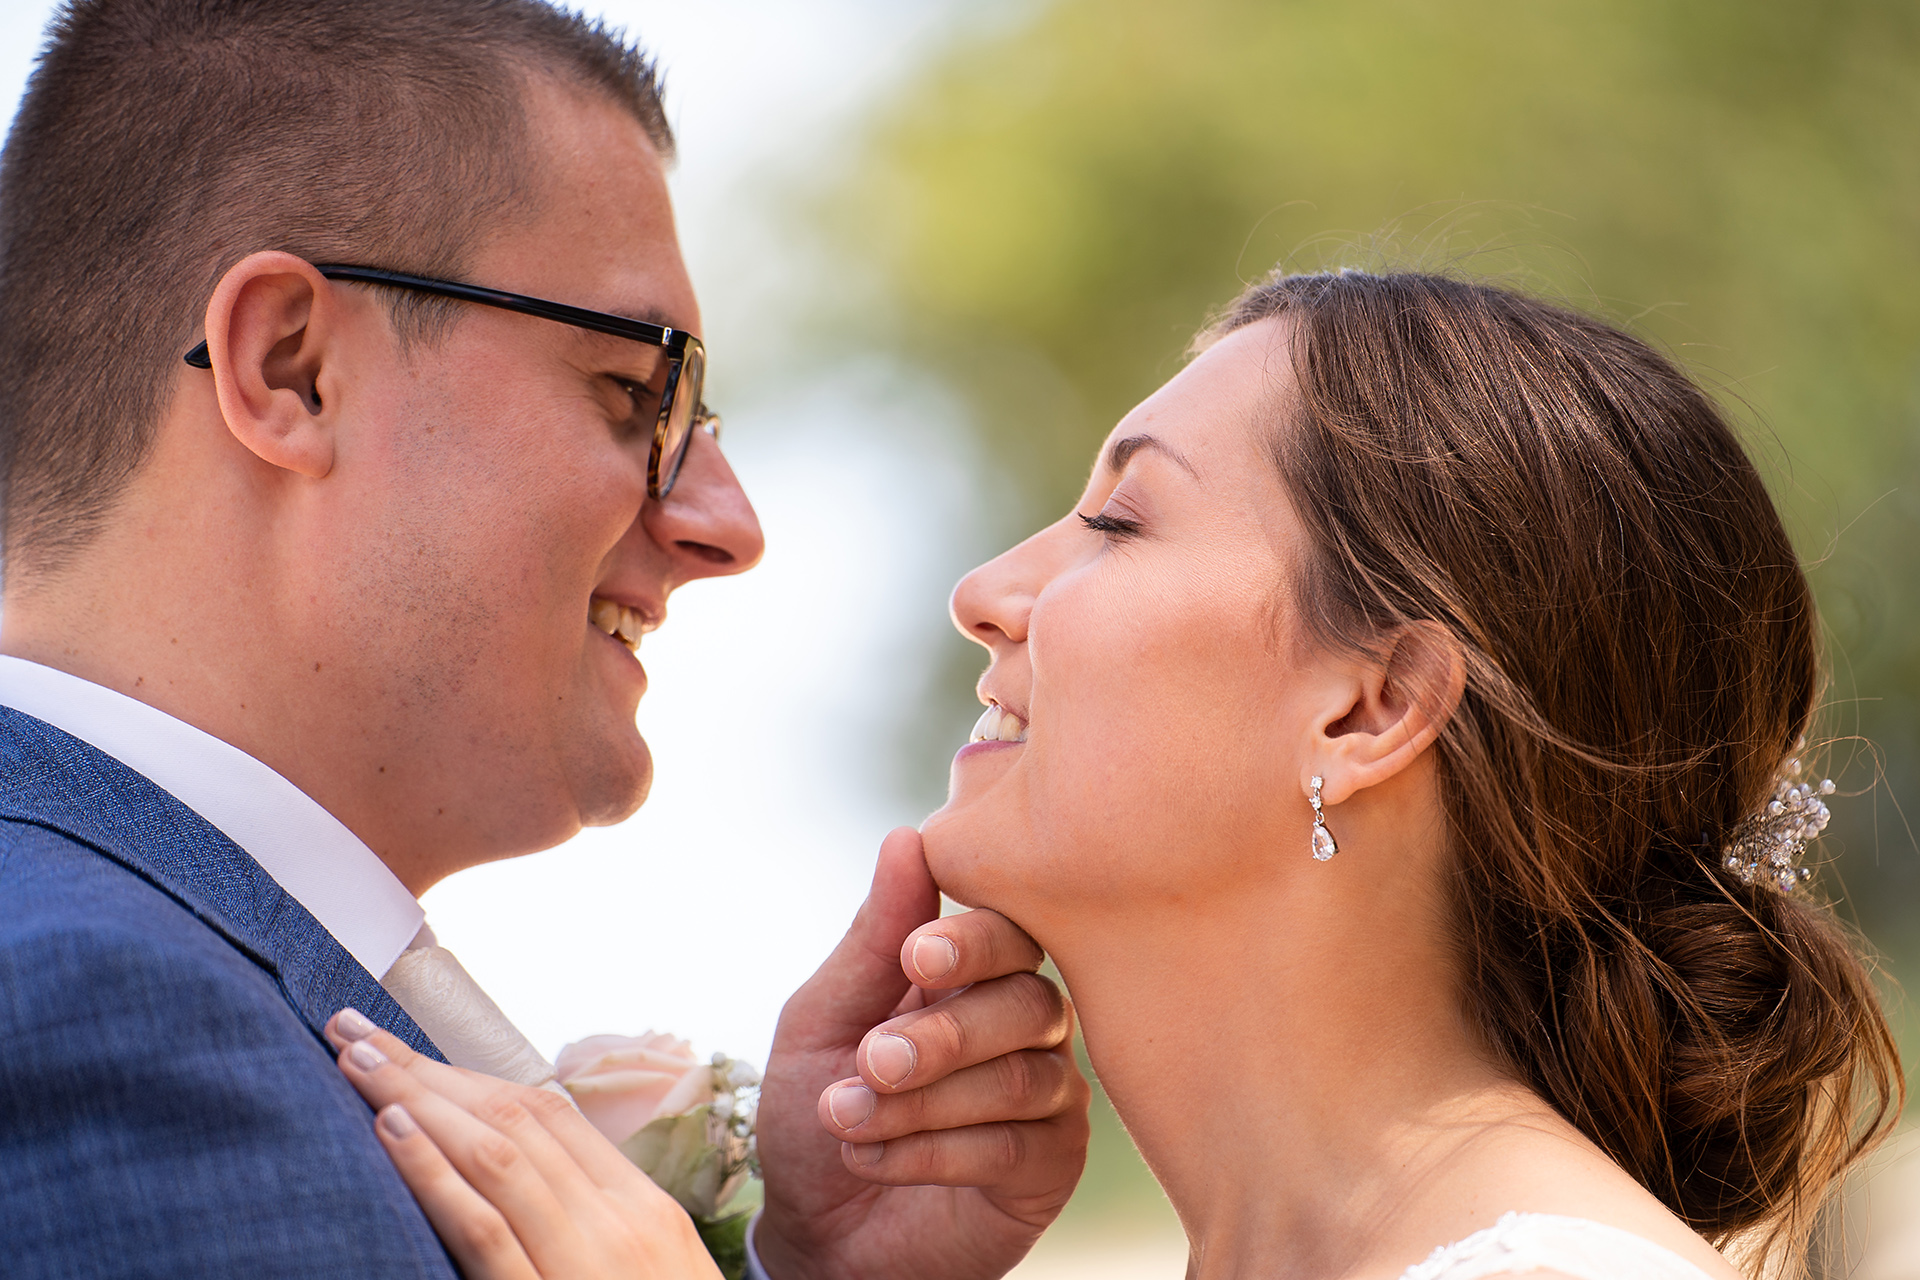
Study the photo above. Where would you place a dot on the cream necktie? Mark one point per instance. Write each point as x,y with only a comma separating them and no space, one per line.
442,997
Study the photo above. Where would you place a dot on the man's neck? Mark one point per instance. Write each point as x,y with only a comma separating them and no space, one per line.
136,612
157,627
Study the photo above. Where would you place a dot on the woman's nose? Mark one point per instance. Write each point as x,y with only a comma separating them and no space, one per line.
992,604
706,522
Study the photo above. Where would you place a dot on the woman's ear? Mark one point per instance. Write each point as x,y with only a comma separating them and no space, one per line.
1397,708
268,323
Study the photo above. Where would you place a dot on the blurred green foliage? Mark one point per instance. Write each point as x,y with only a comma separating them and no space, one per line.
1055,206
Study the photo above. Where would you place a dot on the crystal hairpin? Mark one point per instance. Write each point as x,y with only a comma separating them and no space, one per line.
1766,847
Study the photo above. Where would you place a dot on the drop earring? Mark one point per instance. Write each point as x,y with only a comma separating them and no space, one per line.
1323,845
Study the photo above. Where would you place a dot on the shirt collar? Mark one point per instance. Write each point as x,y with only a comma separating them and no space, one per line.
309,852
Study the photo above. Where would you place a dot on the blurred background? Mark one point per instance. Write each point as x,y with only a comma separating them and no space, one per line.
942,247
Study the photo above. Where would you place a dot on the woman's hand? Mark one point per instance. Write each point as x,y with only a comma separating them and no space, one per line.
515,1181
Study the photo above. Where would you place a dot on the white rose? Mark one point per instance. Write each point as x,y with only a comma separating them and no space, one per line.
624,1083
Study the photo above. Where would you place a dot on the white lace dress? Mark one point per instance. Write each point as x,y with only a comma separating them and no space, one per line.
1523,1242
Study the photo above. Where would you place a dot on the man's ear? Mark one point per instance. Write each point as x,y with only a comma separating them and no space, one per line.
268,324
1394,711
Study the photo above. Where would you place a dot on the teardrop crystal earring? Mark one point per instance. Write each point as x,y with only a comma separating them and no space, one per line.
1323,845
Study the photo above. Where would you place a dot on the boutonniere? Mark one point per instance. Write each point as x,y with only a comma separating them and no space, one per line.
685,1123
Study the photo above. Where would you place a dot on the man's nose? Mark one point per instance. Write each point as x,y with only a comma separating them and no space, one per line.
706,521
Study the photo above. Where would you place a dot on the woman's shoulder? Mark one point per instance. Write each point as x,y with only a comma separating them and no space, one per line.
1573,1247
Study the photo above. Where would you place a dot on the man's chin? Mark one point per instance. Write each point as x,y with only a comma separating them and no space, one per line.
612,795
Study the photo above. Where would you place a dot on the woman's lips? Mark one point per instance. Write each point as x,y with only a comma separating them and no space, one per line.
982,748
998,729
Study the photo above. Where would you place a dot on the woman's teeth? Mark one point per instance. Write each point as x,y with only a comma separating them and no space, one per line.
997,724
616,620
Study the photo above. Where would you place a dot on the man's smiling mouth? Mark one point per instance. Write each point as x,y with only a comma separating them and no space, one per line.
617,620
997,724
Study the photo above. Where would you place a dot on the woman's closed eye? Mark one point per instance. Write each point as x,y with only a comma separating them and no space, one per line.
1112,525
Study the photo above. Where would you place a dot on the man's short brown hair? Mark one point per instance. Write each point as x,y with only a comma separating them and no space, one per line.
161,141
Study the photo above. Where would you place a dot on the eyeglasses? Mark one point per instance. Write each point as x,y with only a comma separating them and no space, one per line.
679,381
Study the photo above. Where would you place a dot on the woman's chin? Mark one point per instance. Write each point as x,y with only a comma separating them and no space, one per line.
968,864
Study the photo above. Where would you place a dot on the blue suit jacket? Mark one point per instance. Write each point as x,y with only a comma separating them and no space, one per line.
168,1105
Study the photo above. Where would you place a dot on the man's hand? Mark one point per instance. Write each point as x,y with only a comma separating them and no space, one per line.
940,1143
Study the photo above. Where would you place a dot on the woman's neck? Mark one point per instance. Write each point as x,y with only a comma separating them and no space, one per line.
1294,1074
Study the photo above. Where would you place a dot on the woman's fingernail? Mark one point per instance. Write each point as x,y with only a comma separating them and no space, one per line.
934,957
867,1154
851,1105
353,1024
891,1059
397,1122
364,1055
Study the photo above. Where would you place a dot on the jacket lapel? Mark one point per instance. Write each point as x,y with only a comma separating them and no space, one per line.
54,780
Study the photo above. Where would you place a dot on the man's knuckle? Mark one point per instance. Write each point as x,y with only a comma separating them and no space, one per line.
1070,1090
994,927
1009,1147
916,1111
986,934
943,1032
911,1160
1018,1079
1040,1000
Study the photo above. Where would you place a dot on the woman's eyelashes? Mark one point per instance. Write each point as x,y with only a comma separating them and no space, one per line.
1113,526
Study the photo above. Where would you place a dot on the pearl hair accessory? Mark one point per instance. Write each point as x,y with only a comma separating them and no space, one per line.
1323,845
1766,848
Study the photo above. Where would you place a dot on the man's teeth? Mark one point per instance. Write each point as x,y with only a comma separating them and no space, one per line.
997,724
616,620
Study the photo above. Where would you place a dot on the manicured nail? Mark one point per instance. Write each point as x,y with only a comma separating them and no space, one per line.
364,1055
867,1154
851,1105
934,957
891,1059
397,1122
353,1024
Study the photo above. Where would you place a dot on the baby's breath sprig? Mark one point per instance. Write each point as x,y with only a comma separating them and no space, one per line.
1766,848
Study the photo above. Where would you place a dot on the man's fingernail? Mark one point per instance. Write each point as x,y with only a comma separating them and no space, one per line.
353,1024
934,957
397,1122
867,1154
364,1055
891,1059
851,1105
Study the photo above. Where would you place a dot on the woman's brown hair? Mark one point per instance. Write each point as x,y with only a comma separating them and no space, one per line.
1642,656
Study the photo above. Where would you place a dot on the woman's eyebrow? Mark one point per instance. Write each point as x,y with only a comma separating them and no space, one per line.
1125,448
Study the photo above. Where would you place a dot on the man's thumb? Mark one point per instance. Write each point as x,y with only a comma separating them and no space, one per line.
862,981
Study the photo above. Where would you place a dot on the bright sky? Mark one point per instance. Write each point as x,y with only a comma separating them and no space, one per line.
771,695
